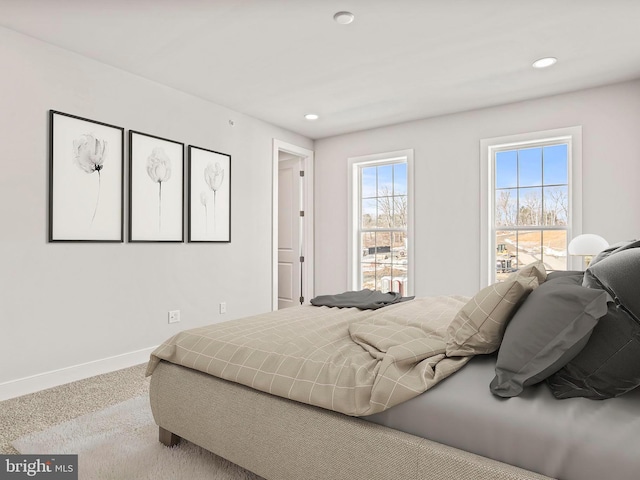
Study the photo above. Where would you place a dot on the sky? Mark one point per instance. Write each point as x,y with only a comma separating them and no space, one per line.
374,181
530,167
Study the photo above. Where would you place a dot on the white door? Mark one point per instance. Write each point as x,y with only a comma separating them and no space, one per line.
289,232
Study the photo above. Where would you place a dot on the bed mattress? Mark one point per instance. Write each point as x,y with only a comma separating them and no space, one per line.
572,439
280,439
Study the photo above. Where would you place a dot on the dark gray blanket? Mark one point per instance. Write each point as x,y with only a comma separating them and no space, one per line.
363,299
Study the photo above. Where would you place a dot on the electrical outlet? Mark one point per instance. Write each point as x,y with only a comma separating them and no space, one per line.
223,307
174,316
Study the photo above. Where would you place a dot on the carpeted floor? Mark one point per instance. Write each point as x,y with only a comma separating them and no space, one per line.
121,442
38,411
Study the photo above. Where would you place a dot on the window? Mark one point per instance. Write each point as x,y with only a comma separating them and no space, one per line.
532,204
381,226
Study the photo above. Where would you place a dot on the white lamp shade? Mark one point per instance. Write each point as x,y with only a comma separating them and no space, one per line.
587,244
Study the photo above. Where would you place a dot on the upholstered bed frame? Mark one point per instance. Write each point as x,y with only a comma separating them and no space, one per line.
280,439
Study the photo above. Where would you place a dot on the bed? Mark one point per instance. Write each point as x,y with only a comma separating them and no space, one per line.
457,429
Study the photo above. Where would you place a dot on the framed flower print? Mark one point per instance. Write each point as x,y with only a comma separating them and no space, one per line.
156,189
86,186
209,196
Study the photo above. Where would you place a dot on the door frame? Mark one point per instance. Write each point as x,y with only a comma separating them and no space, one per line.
307,232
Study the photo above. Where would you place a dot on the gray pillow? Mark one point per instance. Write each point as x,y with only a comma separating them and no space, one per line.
550,328
565,273
619,275
616,247
608,366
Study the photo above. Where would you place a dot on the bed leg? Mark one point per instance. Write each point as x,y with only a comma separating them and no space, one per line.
167,438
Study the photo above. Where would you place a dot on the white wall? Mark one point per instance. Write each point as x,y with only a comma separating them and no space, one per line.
447,180
65,304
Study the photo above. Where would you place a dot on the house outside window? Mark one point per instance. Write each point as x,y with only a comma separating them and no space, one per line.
533,201
381,222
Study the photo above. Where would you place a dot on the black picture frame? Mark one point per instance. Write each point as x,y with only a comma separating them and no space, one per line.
209,192
156,189
86,180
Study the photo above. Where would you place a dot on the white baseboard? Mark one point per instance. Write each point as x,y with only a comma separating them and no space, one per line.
53,378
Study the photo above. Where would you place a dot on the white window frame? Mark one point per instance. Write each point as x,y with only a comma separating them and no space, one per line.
488,147
355,163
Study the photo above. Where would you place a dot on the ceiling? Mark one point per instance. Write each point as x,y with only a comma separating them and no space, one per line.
400,60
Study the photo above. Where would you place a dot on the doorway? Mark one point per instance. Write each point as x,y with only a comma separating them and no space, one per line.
292,225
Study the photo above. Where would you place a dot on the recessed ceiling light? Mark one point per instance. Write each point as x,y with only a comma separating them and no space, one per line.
544,62
344,18
311,116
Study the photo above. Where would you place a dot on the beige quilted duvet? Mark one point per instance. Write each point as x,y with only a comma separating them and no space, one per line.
357,362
